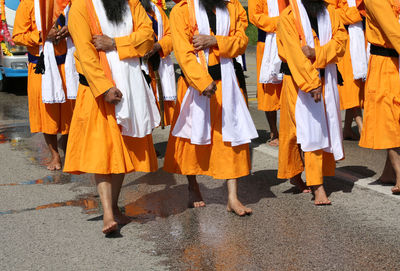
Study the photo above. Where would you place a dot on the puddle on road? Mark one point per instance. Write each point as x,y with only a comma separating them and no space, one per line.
61,178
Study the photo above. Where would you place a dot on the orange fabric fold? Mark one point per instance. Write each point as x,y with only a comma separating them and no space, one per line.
192,20
297,21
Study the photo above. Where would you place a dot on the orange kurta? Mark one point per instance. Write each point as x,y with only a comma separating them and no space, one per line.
381,128
46,118
219,160
268,95
242,14
95,143
306,77
352,92
166,49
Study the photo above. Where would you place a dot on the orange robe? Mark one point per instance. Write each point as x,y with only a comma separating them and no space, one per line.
352,92
268,95
381,129
305,76
219,160
166,49
46,118
242,13
95,143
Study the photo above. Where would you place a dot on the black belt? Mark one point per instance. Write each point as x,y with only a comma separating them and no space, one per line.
286,71
261,35
34,59
381,51
82,80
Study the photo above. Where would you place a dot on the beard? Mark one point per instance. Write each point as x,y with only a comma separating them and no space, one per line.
314,7
212,4
115,9
146,5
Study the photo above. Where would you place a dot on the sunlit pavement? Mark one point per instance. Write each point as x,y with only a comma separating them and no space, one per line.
52,221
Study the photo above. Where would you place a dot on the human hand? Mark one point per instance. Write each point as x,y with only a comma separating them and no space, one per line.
62,33
210,90
51,36
316,94
308,52
201,42
113,96
154,50
103,43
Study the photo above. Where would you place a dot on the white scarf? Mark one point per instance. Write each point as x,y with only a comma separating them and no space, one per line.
194,119
52,86
271,63
359,60
166,69
137,112
71,75
319,127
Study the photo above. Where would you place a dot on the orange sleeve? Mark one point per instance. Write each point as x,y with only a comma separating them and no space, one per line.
242,14
87,55
258,15
166,41
25,31
348,15
182,35
382,12
235,43
330,52
141,40
303,72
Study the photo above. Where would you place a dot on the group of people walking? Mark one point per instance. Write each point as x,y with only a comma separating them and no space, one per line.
104,79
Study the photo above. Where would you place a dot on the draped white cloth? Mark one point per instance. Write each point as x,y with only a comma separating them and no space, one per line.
52,87
71,75
271,63
166,69
137,112
319,127
358,54
194,119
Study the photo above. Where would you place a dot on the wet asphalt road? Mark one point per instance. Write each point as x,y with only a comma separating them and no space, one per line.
52,221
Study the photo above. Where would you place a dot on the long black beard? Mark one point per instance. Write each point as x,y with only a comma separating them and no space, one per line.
115,10
314,7
146,4
212,4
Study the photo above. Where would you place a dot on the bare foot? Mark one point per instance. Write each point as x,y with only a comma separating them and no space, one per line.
55,163
320,196
299,183
120,217
396,190
273,142
388,176
109,225
195,198
238,208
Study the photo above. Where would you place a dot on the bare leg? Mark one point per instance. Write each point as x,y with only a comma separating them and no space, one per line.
320,195
388,176
195,198
234,205
116,184
348,121
300,184
357,115
62,143
55,162
394,155
272,119
104,187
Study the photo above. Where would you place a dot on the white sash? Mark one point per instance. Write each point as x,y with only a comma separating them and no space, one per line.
71,75
166,69
52,86
137,112
194,119
358,53
319,127
271,63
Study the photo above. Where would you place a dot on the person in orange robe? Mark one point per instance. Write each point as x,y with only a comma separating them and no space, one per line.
218,159
163,48
301,73
268,95
46,118
382,88
352,91
96,144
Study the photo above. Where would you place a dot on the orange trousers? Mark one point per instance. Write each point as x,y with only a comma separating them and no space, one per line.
317,164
